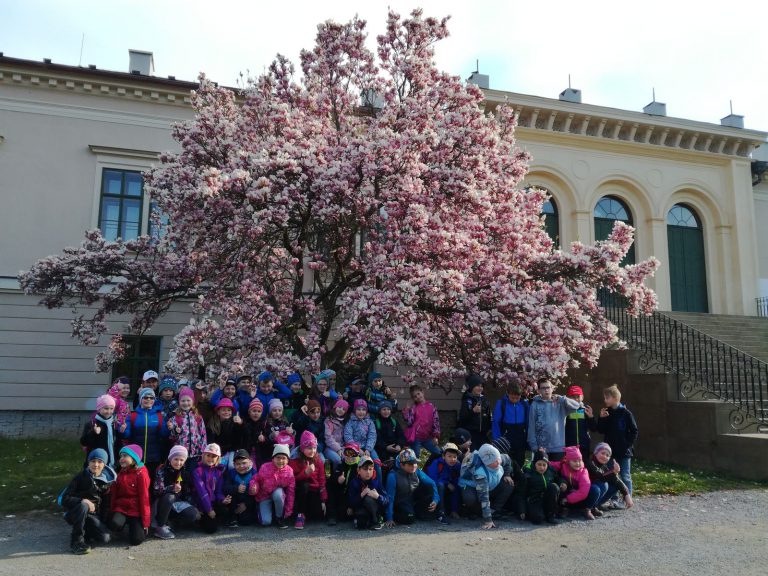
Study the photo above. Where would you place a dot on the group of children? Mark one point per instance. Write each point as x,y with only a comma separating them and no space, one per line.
258,451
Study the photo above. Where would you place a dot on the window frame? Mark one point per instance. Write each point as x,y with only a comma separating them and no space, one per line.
121,197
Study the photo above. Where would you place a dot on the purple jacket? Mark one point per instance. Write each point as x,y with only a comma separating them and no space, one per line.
209,486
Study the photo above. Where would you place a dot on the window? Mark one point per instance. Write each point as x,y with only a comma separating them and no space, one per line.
158,221
551,220
120,209
142,353
607,211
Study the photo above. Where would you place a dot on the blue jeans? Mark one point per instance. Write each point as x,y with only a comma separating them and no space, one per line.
265,507
625,463
429,445
604,492
332,456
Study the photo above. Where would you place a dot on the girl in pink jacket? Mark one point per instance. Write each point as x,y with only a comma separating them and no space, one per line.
576,490
275,485
422,423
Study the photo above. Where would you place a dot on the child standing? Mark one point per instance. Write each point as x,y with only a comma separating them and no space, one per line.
226,430
334,432
188,427
322,393
256,434
361,429
129,501
390,439
103,431
618,426
578,424
147,428
542,490
309,419
85,503
355,391
236,483
208,480
309,473
510,420
475,411
298,398
366,496
271,389
377,392
277,423
422,423
445,472
412,494
173,493
166,392
546,421
275,486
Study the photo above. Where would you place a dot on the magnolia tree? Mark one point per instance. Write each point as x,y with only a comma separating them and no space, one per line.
311,228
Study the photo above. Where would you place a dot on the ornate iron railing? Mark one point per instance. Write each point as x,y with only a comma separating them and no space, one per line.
762,306
706,367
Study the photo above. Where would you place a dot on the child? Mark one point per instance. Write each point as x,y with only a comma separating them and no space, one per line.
486,482
277,423
422,423
604,474
576,490
85,502
361,429
377,392
228,391
322,393
188,428
256,434
275,485
510,420
354,391
173,493
390,439
412,494
270,389
148,381
208,481
339,482
546,421
246,392
578,424
542,491
366,497
166,393
226,430
298,398
201,400
147,428
334,432
309,418
475,411
121,392
236,483
309,473
103,431
130,496
445,472
463,439
618,426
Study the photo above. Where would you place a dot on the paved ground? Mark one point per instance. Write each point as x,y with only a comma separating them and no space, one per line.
716,533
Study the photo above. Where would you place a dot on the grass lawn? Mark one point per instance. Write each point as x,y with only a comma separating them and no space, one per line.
33,472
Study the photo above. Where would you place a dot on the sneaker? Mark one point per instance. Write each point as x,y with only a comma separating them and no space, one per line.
233,524
79,547
443,519
588,514
299,525
377,525
164,533
596,512
281,523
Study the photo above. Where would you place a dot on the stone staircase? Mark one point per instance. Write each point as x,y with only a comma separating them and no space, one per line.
746,333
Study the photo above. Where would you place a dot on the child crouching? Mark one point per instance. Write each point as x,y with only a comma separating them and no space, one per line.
366,497
412,494
542,490
208,478
173,490
275,486
130,496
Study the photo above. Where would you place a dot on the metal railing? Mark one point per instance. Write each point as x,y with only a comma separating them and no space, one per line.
706,367
762,306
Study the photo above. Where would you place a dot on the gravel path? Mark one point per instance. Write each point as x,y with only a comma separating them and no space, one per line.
714,533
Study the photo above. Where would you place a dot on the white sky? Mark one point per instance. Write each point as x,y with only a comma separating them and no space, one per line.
698,55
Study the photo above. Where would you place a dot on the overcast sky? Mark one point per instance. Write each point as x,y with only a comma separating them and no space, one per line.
697,55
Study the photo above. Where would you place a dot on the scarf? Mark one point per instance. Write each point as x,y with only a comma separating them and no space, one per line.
108,424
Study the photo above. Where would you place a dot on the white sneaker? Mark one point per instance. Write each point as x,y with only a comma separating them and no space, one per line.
164,533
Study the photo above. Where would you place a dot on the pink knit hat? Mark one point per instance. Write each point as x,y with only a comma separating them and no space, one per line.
187,392
225,403
255,402
103,401
360,403
572,453
341,402
308,440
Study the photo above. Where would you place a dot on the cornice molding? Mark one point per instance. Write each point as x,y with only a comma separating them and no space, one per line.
123,152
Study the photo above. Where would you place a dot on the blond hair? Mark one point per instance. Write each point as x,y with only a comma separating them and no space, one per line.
613,392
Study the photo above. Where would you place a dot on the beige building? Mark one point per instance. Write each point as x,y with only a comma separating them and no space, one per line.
73,142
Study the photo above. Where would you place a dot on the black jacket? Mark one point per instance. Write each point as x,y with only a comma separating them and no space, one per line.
388,431
472,421
85,487
619,430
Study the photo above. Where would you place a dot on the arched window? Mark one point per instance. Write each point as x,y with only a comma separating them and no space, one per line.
607,210
687,262
551,220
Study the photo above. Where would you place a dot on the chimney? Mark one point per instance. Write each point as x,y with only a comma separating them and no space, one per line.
732,120
571,95
656,109
480,80
141,62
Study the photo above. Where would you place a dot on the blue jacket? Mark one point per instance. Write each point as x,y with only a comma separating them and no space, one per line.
510,417
361,431
279,390
392,488
218,395
442,473
148,429
356,486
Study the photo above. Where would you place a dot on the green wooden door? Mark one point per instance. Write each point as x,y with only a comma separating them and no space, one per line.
687,268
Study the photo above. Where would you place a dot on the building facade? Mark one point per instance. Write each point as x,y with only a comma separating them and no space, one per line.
74,141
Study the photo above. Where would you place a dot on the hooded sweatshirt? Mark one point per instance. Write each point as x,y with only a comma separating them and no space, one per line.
546,423
577,481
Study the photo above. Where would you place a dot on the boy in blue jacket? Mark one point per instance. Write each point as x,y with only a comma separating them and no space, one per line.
412,494
445,471
236,482
510,420
366,496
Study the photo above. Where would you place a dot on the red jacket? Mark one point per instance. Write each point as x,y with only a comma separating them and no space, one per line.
130,494
316,479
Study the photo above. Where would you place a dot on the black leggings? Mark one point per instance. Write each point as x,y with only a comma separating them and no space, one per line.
367,514
165,510
308,502
136,533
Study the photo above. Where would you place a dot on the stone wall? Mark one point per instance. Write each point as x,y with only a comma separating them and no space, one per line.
42,424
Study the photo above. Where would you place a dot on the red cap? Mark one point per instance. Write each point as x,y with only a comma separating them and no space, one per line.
574,391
